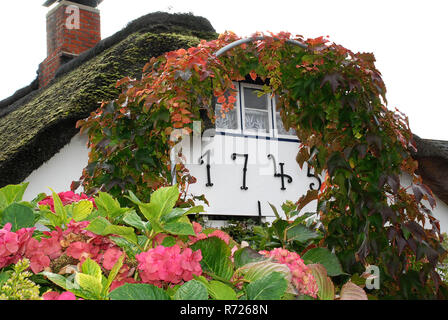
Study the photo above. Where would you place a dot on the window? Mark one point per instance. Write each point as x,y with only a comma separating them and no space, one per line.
253,115
256,110
232,121
281,132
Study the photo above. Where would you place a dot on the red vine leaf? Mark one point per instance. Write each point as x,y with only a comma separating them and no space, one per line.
253,75
334,79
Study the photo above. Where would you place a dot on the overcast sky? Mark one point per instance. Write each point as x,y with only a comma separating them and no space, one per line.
407,37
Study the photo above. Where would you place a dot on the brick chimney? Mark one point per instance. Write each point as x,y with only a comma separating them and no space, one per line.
72,28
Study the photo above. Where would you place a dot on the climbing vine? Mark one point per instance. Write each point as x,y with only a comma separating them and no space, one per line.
336,102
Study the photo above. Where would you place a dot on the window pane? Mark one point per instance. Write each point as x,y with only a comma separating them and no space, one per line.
280,128
251,100
255,120
229,122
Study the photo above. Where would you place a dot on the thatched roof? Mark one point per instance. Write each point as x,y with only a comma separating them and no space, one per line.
432,157
36,124
90,3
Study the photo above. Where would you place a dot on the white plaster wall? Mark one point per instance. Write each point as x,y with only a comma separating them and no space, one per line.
226,196
440,212
59,172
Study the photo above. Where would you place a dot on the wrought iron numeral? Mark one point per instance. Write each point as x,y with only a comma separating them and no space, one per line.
201,161
282,175
260,217
313,175
246,156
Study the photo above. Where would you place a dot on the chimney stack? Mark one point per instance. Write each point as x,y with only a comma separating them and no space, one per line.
72,28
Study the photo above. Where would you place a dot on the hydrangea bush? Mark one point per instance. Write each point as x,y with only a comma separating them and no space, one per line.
94,249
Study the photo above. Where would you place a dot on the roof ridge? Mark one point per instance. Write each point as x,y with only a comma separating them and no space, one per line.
431,147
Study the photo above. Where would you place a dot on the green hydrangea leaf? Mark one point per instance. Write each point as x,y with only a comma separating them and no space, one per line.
138,291
191,290
324,283
221,291
270,287
90,283
179,228
246,255
19,215
91,268
82,209
12,193
215,257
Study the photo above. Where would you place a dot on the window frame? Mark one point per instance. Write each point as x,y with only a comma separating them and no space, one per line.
274,116
269,133
240,109
237,108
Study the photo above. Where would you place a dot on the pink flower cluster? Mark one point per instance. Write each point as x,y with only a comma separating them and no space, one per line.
302,276
200,236
41,253
98,248
75,242
169,265
13,245
53,295
51,247
67,197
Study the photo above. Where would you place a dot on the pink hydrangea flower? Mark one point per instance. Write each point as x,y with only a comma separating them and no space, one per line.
67,197
169,264
221,235
39,262
41,253
53,295
302,276
17,245
118,283
13,244
111,257
11,241
200,236
82,250
79,228
197,227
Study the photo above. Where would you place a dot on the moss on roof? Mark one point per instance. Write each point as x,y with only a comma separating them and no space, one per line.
431,148
44,123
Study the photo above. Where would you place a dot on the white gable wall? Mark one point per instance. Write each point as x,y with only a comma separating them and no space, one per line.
440,212
59,172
